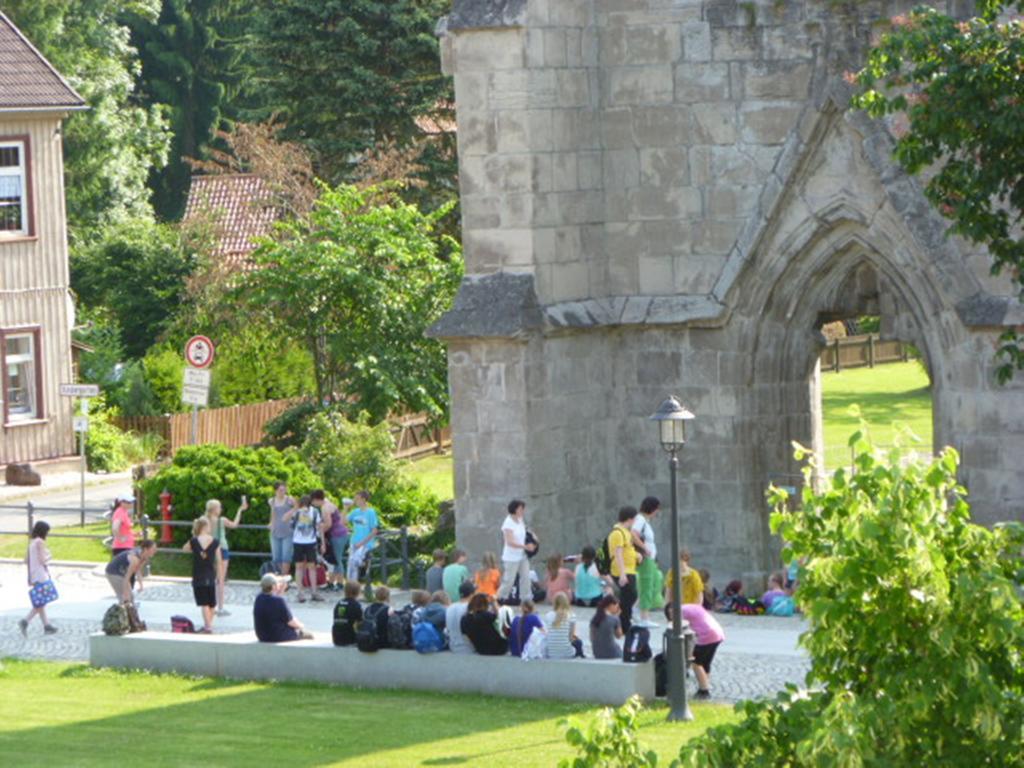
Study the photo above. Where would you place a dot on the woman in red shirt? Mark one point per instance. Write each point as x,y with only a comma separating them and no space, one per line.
121,525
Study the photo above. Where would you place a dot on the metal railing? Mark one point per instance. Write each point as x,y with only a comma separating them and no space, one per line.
393,548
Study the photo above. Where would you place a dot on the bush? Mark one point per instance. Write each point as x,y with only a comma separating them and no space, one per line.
110,449
164,370
350,455
289,428
609,740
916,625
203,472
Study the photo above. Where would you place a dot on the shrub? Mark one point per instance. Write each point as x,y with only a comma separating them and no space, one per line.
203,472
289,428
350,455
608,740
110,449
164,369
916,625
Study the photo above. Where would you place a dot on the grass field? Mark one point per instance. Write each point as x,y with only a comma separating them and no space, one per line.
888,396
73,715
86,550
435,474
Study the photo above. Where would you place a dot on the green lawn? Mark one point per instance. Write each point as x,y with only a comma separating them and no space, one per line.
86,550
888,395
435,474
73,715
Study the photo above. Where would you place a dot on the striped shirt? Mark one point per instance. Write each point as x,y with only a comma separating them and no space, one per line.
559,645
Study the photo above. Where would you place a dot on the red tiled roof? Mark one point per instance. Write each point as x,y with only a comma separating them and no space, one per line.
239,205
27,80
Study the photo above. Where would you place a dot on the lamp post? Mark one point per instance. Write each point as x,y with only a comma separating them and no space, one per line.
672,417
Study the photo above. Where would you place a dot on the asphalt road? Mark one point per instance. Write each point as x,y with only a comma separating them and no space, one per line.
98,496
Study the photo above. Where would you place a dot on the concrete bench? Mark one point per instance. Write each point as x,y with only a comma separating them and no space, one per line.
241,657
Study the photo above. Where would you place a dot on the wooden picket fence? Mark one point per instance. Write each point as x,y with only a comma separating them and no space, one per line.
862,351
242,425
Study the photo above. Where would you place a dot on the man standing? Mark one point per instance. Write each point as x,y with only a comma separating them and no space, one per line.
365,526
271,617
623,566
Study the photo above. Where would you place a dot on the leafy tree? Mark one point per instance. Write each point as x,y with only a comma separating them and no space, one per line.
110,148
916,625
254,364
188,64
137,270
350,455
164,370
348,75
959,84
357,282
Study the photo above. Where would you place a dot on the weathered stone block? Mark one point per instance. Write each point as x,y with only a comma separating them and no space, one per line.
661,127
477,132
625,86
736,43
664,167
768,122
664,203
776,79
698,81
655,274
639,44
622,168
696,38
490,49
715,123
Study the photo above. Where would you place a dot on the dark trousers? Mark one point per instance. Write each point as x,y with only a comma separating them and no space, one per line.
627,599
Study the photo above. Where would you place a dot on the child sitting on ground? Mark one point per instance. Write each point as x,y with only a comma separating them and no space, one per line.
589,582
434,572
775,591
347,615
418,600
434,611
522,627
606,629
561,627
560,580
732,596
455,573
488,578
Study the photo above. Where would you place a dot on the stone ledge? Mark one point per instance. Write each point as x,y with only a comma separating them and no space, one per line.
632,310
242,657
499,305
984,310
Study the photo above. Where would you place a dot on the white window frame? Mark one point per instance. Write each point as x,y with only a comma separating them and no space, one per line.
34,334
21,172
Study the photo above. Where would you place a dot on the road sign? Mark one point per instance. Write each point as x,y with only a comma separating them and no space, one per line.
197,377
80,390
199,352
195,395
81,423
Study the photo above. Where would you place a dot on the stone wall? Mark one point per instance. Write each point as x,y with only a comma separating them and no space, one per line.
667,197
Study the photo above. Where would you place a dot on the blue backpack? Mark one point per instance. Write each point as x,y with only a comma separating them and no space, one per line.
783,606
426,638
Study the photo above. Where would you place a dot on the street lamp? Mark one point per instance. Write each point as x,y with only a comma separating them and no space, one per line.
672,417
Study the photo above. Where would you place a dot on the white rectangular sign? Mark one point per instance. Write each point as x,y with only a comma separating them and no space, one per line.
81,423
80,390
197,377
195,395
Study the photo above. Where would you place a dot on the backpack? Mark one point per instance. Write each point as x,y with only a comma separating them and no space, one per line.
343,630
367,640
182,625
321,577
135,624
637,648
746,607
783,606
603,561
115,620
400,629
426,638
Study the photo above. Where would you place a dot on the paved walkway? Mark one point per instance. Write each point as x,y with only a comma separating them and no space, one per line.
758,658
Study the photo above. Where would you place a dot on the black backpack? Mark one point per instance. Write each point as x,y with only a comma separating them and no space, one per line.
343,629
367,639
637,648
603,560
400,629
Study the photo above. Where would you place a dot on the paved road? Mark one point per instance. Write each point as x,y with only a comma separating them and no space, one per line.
98,495
758,658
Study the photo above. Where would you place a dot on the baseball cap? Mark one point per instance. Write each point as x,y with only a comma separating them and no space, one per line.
270,580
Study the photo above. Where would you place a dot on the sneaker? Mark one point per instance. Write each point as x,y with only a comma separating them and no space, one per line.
316,597
702,693
223,612
204,631
23,627
50,629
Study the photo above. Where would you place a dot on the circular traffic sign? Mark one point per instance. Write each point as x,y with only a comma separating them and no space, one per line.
199,352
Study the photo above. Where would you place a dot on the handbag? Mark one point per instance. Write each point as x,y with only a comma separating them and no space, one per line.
42,593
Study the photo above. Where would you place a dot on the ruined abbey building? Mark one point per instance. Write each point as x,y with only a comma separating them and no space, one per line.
670,197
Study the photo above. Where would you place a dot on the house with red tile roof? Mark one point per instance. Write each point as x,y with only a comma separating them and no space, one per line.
240,209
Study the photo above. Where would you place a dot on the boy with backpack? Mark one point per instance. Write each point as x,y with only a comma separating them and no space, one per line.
372,634
307,545
348,613
623,563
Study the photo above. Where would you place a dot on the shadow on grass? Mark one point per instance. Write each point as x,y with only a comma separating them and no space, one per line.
226,723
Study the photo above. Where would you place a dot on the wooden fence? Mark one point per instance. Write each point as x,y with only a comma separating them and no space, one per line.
861,351
242,425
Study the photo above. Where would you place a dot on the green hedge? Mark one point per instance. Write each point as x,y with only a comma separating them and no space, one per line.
199,473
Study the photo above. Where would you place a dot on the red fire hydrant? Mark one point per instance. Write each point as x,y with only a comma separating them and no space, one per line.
165,514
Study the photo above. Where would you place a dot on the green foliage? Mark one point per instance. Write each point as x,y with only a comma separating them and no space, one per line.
288,430
135,397
357,282
916,625
164,370
110,148
315,63
110,449
189,64
137,271
200,473
608,740
254,364
959,84
99,329
350,455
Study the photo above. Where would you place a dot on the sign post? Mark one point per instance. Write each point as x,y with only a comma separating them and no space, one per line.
195,389
81,426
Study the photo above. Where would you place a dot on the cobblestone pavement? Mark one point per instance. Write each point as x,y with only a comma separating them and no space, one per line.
757,659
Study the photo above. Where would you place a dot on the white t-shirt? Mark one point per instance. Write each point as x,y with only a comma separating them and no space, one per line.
518,528
645,530
307,523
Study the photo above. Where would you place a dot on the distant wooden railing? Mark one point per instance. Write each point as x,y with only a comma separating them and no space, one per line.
862,351
242,425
